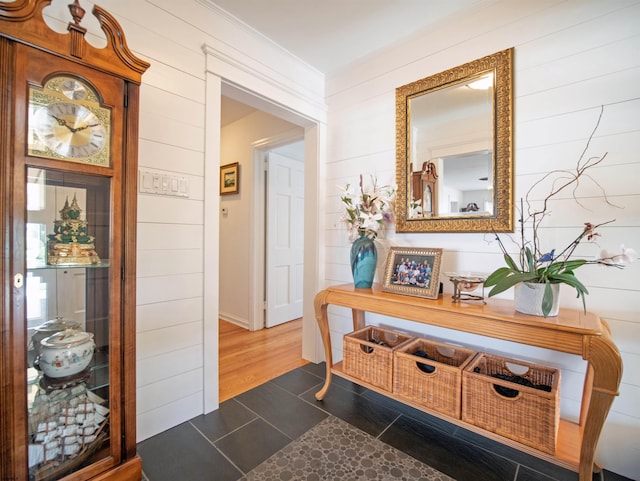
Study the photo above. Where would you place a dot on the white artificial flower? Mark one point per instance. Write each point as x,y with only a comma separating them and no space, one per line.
626,256
371,221
348,195
366,208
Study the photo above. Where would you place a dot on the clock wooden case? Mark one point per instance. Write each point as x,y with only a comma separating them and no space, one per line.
68,156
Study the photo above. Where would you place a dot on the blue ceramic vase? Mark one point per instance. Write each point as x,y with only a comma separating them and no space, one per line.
364,258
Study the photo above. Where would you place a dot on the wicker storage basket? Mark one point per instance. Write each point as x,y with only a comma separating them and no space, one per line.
368,355
435,383
525,414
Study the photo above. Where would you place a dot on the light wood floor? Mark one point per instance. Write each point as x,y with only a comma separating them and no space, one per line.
250,358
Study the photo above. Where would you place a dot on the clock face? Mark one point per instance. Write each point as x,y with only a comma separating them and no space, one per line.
73,89
68,122
70,130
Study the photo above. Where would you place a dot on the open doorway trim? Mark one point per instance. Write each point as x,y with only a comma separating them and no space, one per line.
255,85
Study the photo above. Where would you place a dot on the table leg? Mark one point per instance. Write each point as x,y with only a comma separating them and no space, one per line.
323,324
358,319
604,375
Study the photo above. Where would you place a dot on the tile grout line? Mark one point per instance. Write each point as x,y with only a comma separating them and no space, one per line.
265,421
218,449
299,396
227,434
388,426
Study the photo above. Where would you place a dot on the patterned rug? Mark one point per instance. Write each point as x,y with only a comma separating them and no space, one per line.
334,450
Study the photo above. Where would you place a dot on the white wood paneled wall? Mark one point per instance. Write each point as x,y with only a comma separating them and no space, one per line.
173,359
571,57
174,106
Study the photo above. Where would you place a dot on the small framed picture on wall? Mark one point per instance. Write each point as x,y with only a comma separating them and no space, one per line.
229,178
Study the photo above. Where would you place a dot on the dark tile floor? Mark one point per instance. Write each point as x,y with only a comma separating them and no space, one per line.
246,430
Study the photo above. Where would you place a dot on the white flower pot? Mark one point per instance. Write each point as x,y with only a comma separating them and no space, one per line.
528,297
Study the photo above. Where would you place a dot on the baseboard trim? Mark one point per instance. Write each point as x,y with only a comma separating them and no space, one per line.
244,323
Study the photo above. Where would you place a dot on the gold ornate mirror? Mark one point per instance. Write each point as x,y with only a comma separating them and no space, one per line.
454,163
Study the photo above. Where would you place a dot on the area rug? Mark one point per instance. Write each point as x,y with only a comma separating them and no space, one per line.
334,450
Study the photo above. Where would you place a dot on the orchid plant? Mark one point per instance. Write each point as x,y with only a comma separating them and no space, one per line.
555,266
368,209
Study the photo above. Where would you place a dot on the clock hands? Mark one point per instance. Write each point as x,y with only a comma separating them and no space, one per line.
73,130
86,126
62,122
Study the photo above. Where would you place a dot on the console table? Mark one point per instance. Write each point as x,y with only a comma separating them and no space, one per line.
572,331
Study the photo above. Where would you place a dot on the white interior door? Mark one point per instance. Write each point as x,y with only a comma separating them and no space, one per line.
285,239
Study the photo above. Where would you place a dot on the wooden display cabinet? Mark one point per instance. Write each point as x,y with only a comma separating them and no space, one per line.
572,331
68,157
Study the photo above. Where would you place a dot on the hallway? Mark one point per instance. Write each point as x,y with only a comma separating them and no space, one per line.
251,358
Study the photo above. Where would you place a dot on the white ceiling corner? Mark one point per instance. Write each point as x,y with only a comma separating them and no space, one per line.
331,34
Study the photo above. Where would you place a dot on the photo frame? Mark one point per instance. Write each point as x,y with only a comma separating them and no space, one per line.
229,178
413,271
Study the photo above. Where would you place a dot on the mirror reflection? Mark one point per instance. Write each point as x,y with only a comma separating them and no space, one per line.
451,147
454,149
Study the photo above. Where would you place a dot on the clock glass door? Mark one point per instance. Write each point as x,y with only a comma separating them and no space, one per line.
70,306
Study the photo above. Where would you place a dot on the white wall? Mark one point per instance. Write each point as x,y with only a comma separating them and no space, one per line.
236,240
232,54
571,57
177,295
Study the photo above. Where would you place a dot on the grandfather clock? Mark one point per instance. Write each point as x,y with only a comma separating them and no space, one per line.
68,157
424,187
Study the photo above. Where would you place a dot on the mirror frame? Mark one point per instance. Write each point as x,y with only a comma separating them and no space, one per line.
500,64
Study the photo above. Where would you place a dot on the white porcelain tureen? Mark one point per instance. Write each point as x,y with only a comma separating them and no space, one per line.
49,328
66,353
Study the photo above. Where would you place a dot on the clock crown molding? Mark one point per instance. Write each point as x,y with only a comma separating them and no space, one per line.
73,44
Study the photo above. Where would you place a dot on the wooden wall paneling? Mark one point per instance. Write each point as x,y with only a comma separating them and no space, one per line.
154,316
166,236
159,289
168,365
156,155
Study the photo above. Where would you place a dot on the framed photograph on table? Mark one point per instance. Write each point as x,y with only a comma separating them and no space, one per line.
229,179
413,271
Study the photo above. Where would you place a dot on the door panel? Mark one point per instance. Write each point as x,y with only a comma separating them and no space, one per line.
285,235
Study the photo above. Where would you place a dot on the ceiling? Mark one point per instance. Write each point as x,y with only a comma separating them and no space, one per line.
331,34
232,110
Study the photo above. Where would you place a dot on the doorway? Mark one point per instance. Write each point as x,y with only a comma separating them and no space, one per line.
274,183
262,224
303,115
